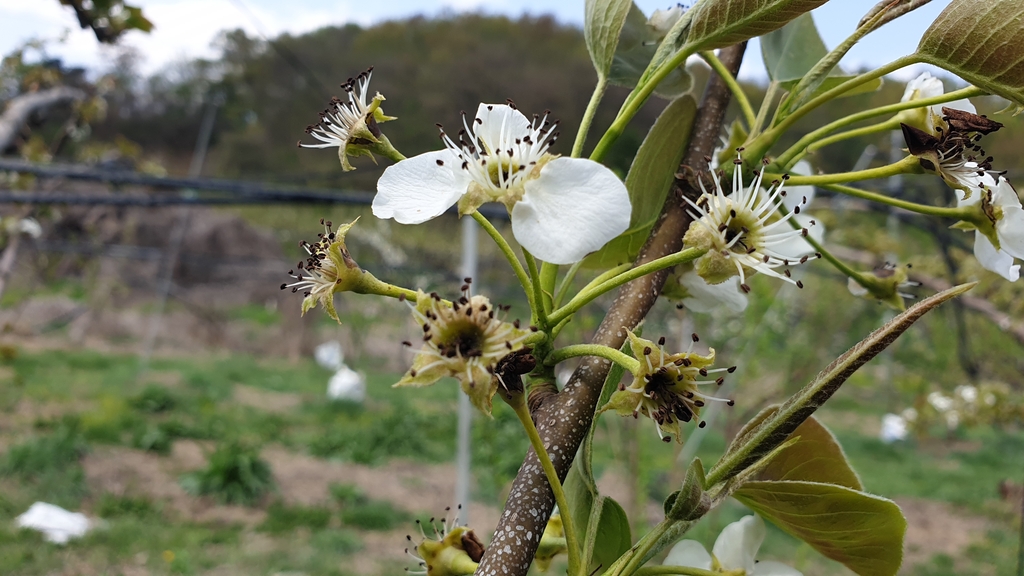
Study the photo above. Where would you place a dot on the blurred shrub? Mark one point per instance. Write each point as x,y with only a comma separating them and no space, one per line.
401,432
152,439
154,399
235,475
361,512
283,518
53,452
109,421
112,506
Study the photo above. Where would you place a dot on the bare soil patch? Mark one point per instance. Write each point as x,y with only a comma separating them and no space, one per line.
937,528
266,400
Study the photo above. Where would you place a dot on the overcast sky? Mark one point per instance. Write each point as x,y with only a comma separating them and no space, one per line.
186,28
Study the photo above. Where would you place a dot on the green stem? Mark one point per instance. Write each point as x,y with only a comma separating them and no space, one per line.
510,255
638,553
380,288
588,116
908,165
608,353
540,316
786,159
956,213
563,288
587,295
762,112
885,126
572,542
733,85
548,277
850,84
677,570
635,100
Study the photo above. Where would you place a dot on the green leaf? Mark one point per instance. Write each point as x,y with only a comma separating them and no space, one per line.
581,494
791,51
981,44
636,48
816,456
608,534
601,28
777,427
649,181
721,23
691,502
861,531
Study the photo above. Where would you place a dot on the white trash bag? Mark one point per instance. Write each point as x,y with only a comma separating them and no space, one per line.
57,524
329,355
347,384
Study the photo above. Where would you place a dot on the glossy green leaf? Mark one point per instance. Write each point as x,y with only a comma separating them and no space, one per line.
816,456
608,534
649,181
982,43
603,20
777,427
636,48
721,23
861,531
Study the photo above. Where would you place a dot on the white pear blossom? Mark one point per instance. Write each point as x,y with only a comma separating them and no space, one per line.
733,553
745,232
946,142
663,19
562,208
1002,206
894,428
928,86
352,126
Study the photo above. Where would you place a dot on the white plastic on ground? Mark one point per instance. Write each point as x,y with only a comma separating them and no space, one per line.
57,524
347,384
329,355
894,428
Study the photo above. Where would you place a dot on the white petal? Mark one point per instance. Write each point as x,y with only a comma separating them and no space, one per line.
924,86
962,104
498,123
795,194
418,189
995,260
689,553
572,208
770,568
1010,230
706,297
1004,196
737,545
855,288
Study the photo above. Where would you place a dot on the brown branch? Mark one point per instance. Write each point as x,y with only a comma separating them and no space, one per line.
564,418
20,108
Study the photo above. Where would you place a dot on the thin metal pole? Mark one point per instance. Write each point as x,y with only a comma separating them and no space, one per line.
470,259
178,235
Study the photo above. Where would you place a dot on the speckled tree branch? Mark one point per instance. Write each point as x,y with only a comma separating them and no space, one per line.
564,418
